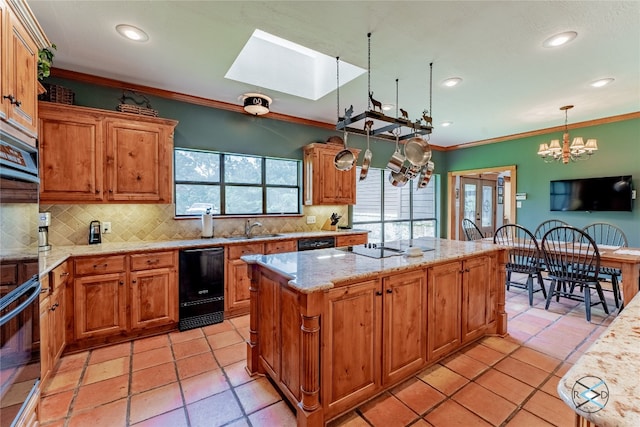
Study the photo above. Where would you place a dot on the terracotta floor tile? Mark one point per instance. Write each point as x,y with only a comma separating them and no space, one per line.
524,325
550,409
519,336
224,339
153,357
231,354
109,415
503,345
189,348
155,402
551,386
465,365
237,373
387,411
72,362
484,403
55,406
527,419
215,410
537,359
553,349
62,381
194,365
217,328
418,395
204,385
451,413
256,395
146,344
563,369
189,335
443,379
244,332
115,351
175,418
155,376
240,322
99,393
105,370
484,354
522,371
278,414
350,419
505,386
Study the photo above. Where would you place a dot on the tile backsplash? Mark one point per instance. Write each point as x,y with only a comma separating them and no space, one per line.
141,222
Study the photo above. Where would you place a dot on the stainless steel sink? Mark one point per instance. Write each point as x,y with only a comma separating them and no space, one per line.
253,236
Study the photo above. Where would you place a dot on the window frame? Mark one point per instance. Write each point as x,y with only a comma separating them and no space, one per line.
223,185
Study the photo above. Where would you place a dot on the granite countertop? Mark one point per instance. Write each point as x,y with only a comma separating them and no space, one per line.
610,367
58,254
321,269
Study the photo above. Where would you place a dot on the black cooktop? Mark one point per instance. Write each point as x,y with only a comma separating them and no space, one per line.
386,250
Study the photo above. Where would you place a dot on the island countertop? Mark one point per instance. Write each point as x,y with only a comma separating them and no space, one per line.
322,269
614,359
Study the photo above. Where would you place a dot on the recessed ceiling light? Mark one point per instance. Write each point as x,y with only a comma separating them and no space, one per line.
602,82
132,33
387,107
451,82
446,124
559,39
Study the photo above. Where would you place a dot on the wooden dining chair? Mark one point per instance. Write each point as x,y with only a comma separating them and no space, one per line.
471,230
546,226
608,234
524,257
573,261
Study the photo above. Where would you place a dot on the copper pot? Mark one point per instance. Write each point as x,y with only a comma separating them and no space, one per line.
417,151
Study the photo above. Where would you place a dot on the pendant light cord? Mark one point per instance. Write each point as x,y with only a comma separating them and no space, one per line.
430,89
338,87
369,72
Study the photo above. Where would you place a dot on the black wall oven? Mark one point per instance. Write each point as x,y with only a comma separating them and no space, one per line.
19,284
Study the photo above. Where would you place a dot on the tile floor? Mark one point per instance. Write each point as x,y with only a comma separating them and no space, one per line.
197,378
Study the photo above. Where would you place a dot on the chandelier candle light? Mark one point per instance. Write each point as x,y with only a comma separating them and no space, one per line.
578,150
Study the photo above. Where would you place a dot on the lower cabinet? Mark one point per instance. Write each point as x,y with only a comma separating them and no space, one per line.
52,319
124,294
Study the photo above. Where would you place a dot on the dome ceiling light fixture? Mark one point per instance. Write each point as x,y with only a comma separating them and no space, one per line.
256,104
578,150
451,82
132,33
560,39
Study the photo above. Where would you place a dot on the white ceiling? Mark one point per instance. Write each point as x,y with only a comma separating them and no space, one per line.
511,84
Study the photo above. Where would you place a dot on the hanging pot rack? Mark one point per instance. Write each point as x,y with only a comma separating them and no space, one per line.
385,127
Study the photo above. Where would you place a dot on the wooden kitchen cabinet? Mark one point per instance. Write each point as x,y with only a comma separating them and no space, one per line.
237,281
21,38
323,183
477,295
153,289
351,240
112,156
53,317
100,304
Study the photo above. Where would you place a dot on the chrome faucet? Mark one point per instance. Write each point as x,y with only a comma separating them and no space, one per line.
248,227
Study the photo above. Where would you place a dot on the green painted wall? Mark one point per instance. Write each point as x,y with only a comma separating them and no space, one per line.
208,128
618,154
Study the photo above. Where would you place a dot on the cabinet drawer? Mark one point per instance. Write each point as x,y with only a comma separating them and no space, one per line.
152,260
236,252
280,247
351,240
100,265
59,276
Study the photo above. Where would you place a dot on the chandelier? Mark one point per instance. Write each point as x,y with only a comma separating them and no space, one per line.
578,150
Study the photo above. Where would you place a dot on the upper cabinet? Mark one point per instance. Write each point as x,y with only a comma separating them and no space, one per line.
98,156
323,183
21,38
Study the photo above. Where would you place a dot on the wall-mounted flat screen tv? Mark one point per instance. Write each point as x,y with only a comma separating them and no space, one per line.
592,194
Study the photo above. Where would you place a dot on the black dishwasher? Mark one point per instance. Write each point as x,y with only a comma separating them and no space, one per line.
201,287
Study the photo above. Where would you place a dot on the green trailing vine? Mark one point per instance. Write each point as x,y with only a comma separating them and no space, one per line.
45,59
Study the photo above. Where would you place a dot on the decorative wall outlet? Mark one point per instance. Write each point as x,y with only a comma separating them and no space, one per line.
311,219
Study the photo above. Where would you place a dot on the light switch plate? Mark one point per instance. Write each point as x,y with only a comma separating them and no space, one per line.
106,227
518,204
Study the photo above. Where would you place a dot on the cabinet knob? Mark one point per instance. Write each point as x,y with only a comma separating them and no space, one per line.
44,290
153,261
378,293
389,291
97,191
54,306
65,274
121,282
111,190
134,281
12,99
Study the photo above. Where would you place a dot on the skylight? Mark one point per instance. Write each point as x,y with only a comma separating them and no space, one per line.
270,62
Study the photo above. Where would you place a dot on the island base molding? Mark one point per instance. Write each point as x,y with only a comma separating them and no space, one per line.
330,350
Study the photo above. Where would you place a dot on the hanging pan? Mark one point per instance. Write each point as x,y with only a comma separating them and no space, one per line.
425,174
366,161
417,151
345,159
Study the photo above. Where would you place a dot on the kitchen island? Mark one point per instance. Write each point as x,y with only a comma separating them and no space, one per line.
336,327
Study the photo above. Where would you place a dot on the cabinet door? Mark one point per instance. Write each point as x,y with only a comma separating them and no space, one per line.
45,352
443,299
138,161
154,298
323,183
4,75
280,246
71,153
57,328
404,337
22,78
475,297
351,333
100,305
237,297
